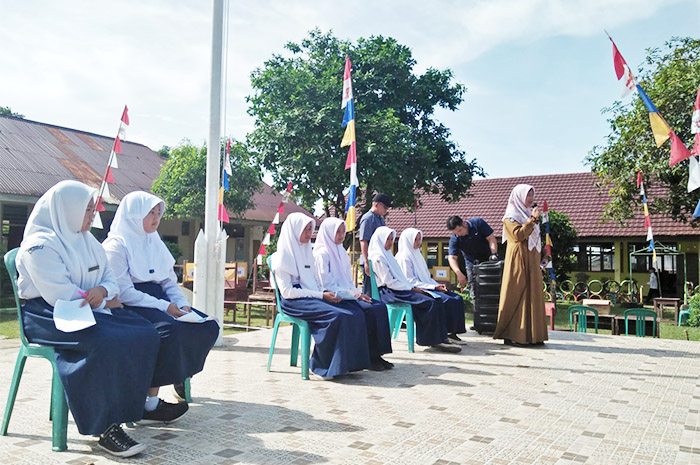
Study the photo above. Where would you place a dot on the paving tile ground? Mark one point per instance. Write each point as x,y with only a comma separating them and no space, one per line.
583,399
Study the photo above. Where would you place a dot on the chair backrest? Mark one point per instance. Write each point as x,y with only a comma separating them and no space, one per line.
278,301
373,282
640,315
10,257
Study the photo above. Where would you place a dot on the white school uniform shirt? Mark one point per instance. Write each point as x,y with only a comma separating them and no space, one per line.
412,262
137,257
333,268
293,263
56,260
387,271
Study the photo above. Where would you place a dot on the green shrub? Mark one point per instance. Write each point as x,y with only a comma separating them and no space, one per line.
694,318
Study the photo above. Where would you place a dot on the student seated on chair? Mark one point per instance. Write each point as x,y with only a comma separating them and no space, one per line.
335,274
339,330
105,369
143,268
428,312
416,271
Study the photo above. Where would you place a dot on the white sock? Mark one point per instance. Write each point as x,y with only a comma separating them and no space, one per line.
151,403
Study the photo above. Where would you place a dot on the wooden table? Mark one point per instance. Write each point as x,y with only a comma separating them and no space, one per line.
247,304
605,321
659,303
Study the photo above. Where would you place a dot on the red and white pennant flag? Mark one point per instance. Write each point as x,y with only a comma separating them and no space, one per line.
275,221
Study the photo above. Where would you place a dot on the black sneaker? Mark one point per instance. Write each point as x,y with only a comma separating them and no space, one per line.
179,393
115,441
454,337
165,412
387,365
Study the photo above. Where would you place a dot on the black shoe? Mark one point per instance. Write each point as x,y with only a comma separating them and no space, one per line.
454,337
507,342
447,347
387,365
376,365
179,389
115,441
164,413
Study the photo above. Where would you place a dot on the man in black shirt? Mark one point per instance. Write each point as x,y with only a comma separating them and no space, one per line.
475,240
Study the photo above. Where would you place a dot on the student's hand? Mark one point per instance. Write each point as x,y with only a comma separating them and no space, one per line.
114,303
94,296
419,290
331,297
441,288
366,266
462,279
174,311
186,309
535,212
365,298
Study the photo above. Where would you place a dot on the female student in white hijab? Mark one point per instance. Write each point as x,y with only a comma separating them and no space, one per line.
416,271
105,369
334,273
521,316
143,268
428,313
339,332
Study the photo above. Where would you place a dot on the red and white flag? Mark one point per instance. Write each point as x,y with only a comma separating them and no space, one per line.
695,125
623,72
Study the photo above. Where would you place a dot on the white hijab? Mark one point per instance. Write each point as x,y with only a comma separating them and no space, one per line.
377,251
147,255
55,223
517,210
410,254
293,257
337,255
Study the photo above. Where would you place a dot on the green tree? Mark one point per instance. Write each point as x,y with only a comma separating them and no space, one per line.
564,238
182,181
8,111
401,148
670,78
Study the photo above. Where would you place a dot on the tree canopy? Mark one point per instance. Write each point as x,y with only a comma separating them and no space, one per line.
402,149
564,238
182,181
670,77
8,111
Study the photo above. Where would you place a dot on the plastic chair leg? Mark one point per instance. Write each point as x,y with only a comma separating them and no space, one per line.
272,343
295,346
410,330
12,395
188,390
59,411
305,355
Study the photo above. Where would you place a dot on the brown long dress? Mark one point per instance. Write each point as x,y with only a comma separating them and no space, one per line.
521,316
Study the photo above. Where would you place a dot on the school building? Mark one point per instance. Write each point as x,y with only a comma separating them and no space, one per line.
34,156
603,249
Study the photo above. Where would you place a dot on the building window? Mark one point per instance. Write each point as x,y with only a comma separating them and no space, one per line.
640,263
432,256
600,257
185,228
445,253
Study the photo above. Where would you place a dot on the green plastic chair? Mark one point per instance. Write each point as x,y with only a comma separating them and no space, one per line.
397,312
58,413
582,311
640,314
683,316
299,328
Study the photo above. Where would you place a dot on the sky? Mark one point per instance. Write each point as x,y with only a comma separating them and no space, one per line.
537,72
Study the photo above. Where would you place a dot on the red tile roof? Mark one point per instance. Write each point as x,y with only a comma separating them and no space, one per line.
574,194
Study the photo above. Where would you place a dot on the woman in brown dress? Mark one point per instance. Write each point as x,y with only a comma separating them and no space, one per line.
521,316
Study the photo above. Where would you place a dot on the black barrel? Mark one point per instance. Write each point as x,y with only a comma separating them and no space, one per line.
487,293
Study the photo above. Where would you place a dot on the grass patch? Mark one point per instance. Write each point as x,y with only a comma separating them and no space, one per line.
8,323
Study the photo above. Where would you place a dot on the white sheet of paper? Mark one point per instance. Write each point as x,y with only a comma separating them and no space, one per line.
345,295
69,316
432,294
191,317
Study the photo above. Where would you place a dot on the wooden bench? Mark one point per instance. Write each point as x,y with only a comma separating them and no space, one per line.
659,303
247,304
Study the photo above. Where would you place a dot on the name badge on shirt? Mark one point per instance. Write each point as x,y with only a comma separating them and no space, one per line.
151,271
307,266
94,268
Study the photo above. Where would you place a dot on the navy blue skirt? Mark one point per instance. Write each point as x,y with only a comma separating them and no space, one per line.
105,369
377,321
428,313
454,311
339,332
183,346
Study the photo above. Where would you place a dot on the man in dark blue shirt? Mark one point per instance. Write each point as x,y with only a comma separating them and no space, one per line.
369,223
475,240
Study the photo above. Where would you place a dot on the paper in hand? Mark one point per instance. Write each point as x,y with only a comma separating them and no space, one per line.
191,317
69,316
